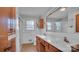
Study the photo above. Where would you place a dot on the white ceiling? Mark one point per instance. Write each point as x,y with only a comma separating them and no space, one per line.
39,11
33,11
59,14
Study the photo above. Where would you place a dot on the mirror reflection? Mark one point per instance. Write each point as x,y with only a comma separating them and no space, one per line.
57,21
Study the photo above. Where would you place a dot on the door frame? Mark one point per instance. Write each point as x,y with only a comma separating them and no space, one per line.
75,19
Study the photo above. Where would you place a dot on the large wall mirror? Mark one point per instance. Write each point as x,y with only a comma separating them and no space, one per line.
57,20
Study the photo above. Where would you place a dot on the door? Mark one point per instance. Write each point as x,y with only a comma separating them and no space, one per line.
4,15
77,23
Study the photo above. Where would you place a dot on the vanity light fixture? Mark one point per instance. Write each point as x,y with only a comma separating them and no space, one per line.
62,9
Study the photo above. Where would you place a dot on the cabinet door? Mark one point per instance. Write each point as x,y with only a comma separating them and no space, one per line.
42,47
46,46
77,23
40,44
37,44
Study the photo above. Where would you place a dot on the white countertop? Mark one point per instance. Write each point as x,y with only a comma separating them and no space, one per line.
57,42
11,36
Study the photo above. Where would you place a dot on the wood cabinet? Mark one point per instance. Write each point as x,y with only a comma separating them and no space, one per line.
53,49
37,44
5,14
43,46
77,23
46,46
40,45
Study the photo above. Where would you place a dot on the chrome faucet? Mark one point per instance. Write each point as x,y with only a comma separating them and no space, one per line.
65,39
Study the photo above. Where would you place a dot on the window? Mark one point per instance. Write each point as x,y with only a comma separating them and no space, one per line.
29,25
49,26
58,26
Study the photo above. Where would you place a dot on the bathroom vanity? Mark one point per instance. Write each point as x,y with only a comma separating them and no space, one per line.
51,44
44,46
